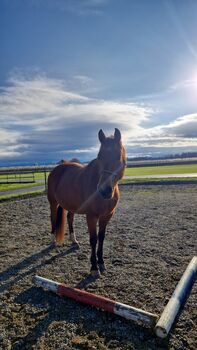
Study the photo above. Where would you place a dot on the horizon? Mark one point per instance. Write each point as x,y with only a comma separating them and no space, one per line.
168,157
70,68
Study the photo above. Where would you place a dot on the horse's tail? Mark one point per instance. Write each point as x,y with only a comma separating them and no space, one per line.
60,225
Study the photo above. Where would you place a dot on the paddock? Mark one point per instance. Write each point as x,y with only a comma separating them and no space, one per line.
149,243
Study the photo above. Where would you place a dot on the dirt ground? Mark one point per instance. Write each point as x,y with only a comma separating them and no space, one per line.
149,243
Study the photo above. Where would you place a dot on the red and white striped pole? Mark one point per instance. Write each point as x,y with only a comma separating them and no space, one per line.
139,316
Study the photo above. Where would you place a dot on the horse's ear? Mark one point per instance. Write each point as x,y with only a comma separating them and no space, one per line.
101,136
117,135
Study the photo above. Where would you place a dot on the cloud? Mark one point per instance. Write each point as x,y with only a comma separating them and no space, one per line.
8,143
77,7
42,117
36,95
177,136
182,128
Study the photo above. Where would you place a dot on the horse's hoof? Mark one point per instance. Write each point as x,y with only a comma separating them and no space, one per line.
102,268
59,243
95,273
52,238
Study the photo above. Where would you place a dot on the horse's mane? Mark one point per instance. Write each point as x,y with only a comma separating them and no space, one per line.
92,163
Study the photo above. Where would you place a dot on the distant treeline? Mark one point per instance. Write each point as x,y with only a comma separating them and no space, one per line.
183,155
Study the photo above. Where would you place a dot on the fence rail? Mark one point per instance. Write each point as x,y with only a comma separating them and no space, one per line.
8,178
23,174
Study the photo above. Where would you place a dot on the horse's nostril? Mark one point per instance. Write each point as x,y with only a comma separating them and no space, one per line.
106,192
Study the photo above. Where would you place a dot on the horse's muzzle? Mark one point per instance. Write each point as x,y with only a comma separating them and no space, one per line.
106,192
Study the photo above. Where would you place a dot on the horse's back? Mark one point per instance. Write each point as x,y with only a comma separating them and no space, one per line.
64,180
66,169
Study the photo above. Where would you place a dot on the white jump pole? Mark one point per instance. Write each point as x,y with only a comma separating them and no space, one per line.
177,300
139,316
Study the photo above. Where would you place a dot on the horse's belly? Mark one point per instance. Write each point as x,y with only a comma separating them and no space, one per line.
74,206
68,206
77,210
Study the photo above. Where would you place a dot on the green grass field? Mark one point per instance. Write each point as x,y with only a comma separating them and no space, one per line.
162,170
9,187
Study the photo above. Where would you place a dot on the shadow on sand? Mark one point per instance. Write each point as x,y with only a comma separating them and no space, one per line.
29,266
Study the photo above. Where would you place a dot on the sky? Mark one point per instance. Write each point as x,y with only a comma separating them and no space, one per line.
71,67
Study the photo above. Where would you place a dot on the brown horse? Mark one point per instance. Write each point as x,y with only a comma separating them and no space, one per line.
88,189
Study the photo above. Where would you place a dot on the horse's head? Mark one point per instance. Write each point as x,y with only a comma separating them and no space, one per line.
112,162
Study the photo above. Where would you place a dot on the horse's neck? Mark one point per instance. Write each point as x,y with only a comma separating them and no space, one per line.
93,167
92,171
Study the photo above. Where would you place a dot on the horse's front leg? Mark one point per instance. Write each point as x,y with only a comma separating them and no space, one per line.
92,222
103,221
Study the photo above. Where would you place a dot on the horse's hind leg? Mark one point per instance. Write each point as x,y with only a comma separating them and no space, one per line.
70,218
57,223
60,226
101,236
53,208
